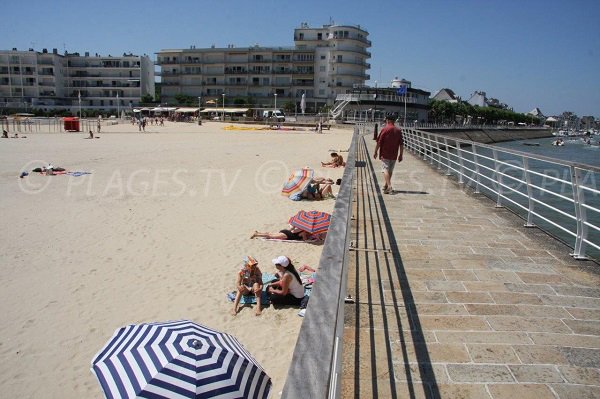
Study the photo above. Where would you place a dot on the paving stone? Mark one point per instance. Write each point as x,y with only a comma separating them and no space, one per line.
485,286
425,274
530,288
369,316
535,373
571,301
586,314
460,391
479,373
587,327
533,324
580,375
534,354
524,267
421,372
469,297
567,391
472,264
543,311
460,275
491,309
582,357
492,353
433,353
520,391
471,323
543,278
438,309
495,275
445,286
489,337
574,340
516,298
382,389
427,297
577,291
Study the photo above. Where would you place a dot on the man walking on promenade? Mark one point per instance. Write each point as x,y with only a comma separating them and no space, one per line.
390,146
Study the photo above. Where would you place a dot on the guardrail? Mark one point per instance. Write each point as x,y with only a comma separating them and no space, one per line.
557,196
316,362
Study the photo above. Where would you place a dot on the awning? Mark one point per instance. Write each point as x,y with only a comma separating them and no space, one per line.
226,110
186,110
163,109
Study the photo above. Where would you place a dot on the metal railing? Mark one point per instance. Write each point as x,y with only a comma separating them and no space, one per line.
317,364
560,197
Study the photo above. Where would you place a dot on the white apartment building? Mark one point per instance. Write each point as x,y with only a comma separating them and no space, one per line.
43,80
323,62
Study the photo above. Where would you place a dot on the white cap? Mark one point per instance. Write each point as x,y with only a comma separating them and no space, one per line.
281,260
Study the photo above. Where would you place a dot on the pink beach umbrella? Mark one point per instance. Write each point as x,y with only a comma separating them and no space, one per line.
313,222
297,181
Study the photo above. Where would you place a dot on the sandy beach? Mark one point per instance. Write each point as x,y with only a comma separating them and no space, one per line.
155,232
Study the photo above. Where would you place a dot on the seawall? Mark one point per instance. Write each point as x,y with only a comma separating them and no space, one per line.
492,135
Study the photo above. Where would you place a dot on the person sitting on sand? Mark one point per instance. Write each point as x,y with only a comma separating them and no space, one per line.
288,290
91,135
318,191
291,234
337,161
4,134
249,280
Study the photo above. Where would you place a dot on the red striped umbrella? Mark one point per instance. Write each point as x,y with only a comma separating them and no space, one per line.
297,181
313,222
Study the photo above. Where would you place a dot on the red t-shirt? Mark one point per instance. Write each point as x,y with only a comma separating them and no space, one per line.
390,140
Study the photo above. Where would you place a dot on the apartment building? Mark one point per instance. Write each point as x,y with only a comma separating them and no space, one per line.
323,62
49,80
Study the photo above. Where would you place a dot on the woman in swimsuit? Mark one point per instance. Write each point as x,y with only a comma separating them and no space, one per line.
292,234
249,280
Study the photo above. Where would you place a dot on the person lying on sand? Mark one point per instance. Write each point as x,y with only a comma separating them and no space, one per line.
248,280
291,234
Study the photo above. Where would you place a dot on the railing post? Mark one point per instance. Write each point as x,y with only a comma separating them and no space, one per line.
448,173
580,214
498,177
477,174
439,153
460,162
529,193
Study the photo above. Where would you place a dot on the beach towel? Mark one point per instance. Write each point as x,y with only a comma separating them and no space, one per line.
316,242
77,174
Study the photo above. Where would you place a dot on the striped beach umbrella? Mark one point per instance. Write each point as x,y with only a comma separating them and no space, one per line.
313,222
177,359
297,181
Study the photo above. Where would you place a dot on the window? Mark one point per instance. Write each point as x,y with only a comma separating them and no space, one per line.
301,36
319,36
322,57
321,91
322,68
339,58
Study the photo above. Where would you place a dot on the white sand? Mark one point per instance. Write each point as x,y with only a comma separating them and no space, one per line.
155,233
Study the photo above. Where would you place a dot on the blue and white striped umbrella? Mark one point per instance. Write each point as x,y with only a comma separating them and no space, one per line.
177,359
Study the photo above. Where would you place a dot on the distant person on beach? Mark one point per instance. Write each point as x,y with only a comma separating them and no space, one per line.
390,145
248,280
336,161
318,189
99,126
291,234
91,136
4,134
288,290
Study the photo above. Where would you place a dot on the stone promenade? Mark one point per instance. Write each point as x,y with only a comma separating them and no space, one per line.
454,298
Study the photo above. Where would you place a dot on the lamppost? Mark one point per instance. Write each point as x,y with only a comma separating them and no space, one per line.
118,107
275,106
223,106
199,103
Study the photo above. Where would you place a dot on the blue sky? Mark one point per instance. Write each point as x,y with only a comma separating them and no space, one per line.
527,53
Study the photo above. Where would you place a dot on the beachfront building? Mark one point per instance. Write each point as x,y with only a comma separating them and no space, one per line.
323,63
446,95
50,81
365,103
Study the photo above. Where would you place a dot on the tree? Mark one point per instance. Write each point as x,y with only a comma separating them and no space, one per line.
289,106
146,98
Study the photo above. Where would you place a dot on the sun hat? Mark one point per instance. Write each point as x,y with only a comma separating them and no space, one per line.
281,260
250,261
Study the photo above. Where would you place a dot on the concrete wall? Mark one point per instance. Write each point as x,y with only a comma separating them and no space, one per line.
489,136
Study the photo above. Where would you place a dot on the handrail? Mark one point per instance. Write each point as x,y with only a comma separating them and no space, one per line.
316,362
516,181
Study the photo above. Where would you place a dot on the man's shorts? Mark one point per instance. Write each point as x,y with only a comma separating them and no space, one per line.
387,165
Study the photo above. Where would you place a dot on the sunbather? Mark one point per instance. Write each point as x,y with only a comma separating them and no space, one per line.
249,280
292,234
337,161
288,290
